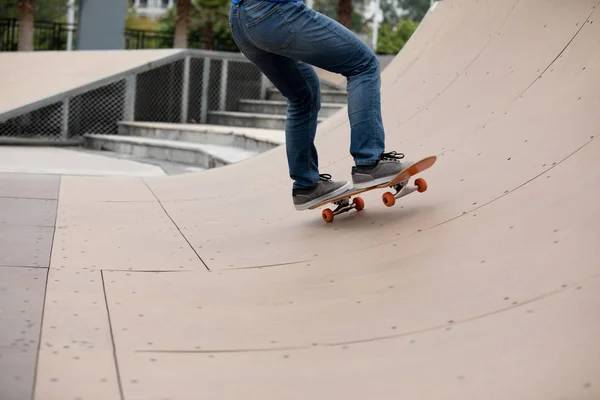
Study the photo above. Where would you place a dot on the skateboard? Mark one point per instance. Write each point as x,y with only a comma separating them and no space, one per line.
399,183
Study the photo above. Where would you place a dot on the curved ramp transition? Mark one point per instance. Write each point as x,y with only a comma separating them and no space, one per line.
211,285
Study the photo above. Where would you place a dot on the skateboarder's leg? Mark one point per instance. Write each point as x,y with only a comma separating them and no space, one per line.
299,83
298,32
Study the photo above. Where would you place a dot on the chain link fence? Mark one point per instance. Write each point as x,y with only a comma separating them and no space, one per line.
183,89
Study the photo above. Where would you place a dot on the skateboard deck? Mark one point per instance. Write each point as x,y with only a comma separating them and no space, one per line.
398,182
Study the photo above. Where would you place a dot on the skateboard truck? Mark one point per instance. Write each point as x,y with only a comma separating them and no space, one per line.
402,189
343,205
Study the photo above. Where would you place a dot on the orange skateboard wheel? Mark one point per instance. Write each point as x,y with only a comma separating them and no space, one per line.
327,215
359,203
421,185
388,199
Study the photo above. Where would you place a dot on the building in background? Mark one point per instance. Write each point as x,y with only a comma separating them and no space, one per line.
151,8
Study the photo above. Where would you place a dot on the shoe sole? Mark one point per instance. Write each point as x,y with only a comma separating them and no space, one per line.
337,192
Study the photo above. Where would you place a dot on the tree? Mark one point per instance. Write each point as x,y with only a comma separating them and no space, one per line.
210,11
405,29
331,9
45,10
136,22
181,24
391,40
220,33
344,12
414,9
26,12
389,10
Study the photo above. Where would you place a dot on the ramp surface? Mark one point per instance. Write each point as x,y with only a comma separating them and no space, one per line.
211,285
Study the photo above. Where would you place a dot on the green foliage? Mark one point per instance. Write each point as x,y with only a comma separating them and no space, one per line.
329,8
414,9
204,5
223,37
394,10
203,12
405,29
166,24
389,10
391,39
45,10
136,22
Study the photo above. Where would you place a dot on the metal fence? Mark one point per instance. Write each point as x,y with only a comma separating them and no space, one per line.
184,88
54,36
46,35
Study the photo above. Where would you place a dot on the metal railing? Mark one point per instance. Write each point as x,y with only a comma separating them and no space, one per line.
53,36
144,39
183,88
46,35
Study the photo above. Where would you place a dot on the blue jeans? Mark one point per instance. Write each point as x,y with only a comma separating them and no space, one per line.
284,40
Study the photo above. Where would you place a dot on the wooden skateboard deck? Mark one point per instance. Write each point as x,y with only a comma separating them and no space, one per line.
343,200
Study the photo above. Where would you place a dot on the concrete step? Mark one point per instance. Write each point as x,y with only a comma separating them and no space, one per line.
265,121
252,139
328,85
280,107
327,96
202,155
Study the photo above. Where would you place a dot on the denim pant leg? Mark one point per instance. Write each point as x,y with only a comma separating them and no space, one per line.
321,41
264,30
299,83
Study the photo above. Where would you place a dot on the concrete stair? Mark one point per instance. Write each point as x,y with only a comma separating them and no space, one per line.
252,139
203,146
229,137
202,155
242,119
280,107
327,96
270,113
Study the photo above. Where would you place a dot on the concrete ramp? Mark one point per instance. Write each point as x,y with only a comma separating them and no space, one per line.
45,76
487,286
58,97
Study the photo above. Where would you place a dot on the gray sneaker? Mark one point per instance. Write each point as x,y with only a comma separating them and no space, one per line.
388,166
326,188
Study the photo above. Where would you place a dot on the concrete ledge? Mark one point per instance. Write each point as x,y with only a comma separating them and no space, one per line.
70,161
327,95
38,141
265,121
203,155
252,139
279,107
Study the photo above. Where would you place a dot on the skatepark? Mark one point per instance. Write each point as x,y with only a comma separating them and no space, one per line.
211,285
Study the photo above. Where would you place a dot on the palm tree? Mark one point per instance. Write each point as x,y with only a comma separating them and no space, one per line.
344,12
181,24
26,10
210,10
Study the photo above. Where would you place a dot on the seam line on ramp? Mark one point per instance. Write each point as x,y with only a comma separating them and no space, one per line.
515,188
450,323
112,337
42,316
457,77
560,53
27,198
537,78
176,226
